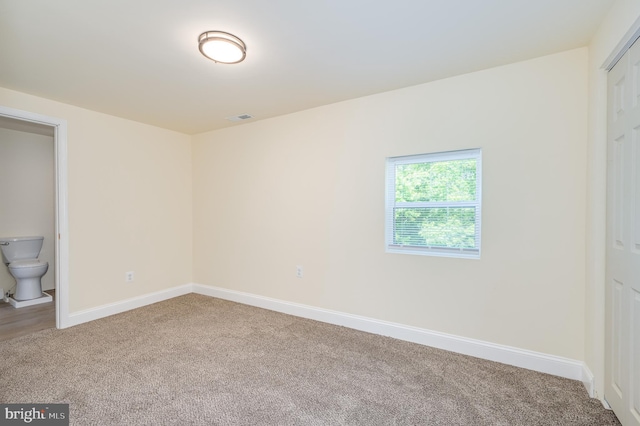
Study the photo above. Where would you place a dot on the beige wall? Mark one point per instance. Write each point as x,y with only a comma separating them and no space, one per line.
28,195
308,189
129,203
615,25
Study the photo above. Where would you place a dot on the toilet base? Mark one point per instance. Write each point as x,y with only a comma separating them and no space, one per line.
45,298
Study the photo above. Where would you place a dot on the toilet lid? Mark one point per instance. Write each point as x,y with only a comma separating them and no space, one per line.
27,263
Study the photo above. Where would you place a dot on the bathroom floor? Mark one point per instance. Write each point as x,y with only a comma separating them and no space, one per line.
17,322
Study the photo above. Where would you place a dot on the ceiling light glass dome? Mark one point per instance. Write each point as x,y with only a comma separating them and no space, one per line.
222,47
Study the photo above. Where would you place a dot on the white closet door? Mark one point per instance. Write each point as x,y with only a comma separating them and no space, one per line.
622,357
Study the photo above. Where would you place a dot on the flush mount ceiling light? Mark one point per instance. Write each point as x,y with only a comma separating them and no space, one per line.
222,47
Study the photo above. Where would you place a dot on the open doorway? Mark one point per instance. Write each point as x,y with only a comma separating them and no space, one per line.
57,128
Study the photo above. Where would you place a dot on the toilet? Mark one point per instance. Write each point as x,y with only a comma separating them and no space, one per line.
20,254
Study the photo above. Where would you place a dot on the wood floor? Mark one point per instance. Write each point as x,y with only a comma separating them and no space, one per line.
17,322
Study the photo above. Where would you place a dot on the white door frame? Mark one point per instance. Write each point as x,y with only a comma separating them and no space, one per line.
61,207
623,45
632,34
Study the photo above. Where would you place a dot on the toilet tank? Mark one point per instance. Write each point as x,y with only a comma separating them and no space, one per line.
18,248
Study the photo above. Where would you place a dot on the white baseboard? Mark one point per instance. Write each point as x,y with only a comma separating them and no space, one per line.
544,363
126,305
588,380
537,361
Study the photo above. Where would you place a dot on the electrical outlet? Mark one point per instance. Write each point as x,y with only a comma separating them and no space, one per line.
128,277
299,271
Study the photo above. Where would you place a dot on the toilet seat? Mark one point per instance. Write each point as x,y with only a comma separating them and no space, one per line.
27,264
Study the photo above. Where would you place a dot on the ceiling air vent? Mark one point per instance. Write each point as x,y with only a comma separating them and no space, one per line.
240,117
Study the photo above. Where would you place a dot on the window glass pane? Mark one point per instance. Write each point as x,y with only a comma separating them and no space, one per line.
453,227
436,181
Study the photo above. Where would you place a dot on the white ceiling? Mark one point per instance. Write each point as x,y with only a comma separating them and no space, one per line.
139,59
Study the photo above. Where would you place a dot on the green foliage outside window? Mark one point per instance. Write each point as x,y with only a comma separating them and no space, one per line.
427,223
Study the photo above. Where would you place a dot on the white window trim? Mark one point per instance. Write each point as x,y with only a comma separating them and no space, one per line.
390,203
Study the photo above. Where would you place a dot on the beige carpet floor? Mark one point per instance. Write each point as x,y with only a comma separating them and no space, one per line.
196,360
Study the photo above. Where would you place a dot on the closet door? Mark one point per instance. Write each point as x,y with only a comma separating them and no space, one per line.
622,328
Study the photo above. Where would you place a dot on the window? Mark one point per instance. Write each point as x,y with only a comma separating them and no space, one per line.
433,204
